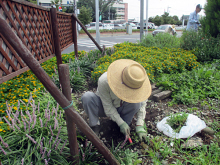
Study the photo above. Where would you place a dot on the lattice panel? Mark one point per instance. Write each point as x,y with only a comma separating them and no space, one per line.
10,61
65,29
32,26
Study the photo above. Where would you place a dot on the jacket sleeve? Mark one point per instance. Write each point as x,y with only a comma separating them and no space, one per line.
191,19
141,114
109,109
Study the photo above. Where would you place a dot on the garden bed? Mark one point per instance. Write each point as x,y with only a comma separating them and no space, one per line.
156,111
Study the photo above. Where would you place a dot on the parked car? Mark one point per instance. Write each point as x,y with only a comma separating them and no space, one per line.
149,26
132,25
108,26
92,26
118,26
152,25
165,29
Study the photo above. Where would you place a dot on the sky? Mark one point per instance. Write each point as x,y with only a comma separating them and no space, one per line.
157,7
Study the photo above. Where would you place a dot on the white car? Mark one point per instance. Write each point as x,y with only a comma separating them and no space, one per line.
132,25
93,26
108,26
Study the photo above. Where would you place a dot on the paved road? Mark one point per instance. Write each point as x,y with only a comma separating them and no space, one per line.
85,43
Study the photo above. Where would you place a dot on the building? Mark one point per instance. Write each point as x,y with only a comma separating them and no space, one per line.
47,3
121,10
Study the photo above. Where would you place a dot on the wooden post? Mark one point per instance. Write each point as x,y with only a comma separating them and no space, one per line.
71,128
36,68
56,38
83,27
75,37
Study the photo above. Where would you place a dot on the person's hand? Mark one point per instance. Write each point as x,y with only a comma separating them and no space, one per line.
125,129
142,133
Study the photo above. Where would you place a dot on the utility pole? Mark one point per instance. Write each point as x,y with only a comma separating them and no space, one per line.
183,21
97,21
141,19
37,2
109,14
75,11
146,17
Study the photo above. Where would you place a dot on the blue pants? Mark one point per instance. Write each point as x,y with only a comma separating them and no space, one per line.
92,105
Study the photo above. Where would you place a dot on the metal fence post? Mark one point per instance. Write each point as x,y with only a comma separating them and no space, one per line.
75,36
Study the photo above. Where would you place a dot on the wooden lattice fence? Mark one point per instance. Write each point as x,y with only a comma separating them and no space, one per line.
33,25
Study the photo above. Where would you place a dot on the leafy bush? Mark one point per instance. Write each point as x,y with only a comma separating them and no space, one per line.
160,40
205,47
156,61
113,30
190,87
210,23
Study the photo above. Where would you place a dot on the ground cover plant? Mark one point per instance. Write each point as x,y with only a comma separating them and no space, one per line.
191,86
156,61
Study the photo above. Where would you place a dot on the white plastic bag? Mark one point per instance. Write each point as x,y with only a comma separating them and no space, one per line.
193,125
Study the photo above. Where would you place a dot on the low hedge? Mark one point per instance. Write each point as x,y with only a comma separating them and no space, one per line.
155,60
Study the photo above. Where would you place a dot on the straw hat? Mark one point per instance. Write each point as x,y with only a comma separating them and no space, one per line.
128,81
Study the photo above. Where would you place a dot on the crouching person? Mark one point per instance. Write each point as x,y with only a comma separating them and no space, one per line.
122,92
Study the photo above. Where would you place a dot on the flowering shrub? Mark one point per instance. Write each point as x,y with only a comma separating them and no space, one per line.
21,86
36,137
205,47
155,60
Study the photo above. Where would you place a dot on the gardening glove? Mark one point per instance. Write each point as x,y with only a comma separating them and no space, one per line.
142,133
125,129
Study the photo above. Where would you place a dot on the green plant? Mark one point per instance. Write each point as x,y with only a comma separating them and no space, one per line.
210,23
35,136
125,156
85,15
204,46
156,61
160,40
89,155
176,121
191,86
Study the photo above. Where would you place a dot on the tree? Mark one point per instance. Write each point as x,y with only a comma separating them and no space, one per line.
106,16
103,6
166,18
85,15
150,19
157,20
32,1
211,22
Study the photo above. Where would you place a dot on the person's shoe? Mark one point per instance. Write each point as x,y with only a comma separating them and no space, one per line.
96,129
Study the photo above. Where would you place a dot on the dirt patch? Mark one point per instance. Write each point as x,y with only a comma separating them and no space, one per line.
155,112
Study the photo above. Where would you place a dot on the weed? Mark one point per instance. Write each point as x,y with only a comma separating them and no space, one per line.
176,121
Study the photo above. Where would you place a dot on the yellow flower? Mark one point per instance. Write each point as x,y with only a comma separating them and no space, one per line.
1,122
1,130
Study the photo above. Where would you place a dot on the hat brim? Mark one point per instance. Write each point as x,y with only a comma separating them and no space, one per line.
114,76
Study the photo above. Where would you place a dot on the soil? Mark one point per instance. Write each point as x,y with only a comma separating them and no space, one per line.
155,112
